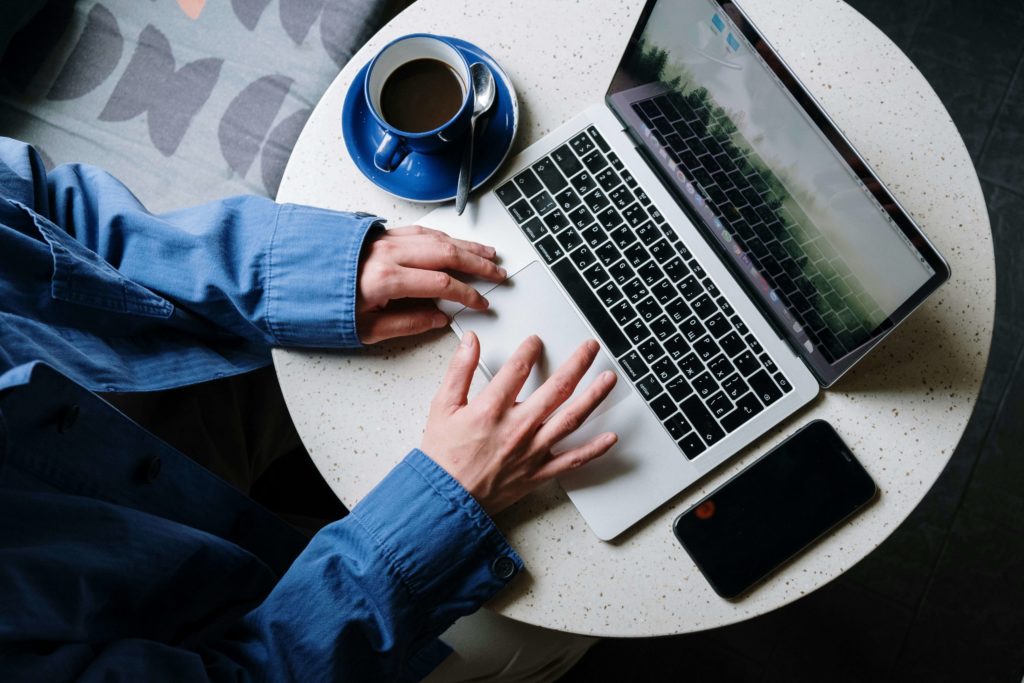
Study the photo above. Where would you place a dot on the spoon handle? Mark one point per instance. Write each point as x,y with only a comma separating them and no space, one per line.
466,170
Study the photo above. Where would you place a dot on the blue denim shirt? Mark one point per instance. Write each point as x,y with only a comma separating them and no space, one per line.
120,558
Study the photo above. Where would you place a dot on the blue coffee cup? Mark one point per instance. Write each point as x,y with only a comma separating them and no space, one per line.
397,144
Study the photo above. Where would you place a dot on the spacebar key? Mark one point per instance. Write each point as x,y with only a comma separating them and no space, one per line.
591,308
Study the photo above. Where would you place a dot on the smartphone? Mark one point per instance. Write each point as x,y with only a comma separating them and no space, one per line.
774,509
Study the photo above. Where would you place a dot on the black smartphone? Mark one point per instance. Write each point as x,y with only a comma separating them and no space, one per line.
775,508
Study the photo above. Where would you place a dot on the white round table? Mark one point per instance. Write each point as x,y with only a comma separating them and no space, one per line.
902,410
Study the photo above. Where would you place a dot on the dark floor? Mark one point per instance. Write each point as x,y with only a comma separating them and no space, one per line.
943,598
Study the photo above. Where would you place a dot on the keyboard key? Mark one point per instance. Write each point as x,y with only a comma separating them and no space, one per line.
580,217
623,237
648,234
582,144
555,221
583,182
633,365
665,292
719,405
608,254
635,215
676,269
665,369
567,199
594,236
735,387
764,387
678,388
550,175
649,273
732,344
782,382
590,307
594,162
628,177
607,179
703,306
569,239
548,248
596,276
621,197
622,272
677,426
598,140
690,288
691,445
542,203
596,201
703,423
692,329
663,328
746,363
521,210
534,229
663,406
609,294
636,331
720,368
768,363
676,346
662,251
567,161
746,408
583,258
691,365
623,313
635,290
648,387
609,219
705,347
636,255
508,193
651,350
527,183
648,309
678,309
704,384
717,325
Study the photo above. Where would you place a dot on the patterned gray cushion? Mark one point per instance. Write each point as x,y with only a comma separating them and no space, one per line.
185,101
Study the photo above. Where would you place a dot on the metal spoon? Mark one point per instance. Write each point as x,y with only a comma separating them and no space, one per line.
483,98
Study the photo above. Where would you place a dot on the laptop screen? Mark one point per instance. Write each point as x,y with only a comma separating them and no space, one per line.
834,258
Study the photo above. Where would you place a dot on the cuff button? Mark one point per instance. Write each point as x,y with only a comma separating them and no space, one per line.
504,568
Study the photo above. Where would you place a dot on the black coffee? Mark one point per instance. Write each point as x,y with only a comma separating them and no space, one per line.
421,95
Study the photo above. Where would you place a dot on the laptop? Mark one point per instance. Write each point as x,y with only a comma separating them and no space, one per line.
711,226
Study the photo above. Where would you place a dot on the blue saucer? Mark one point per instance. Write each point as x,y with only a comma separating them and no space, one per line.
433,177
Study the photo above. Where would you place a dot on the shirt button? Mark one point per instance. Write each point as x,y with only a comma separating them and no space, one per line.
67,418
503,567
153,468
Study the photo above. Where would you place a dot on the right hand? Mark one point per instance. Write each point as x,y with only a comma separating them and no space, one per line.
500,450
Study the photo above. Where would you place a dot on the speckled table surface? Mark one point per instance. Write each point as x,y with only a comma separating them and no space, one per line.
902,410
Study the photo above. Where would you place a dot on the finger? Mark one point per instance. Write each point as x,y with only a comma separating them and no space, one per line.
455,385
561,385
387,324
414,283
475,247
505,386
576,457
437,255
576,413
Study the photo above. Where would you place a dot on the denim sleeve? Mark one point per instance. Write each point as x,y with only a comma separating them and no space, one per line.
272,274
370,594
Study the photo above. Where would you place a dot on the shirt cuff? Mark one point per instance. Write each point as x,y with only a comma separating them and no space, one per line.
312,273
445,548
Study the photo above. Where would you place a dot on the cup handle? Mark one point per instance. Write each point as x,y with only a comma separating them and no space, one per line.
390,153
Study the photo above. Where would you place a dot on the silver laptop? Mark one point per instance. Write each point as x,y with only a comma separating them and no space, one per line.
716,232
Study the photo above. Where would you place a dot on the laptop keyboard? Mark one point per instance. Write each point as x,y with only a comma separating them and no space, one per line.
671,330
800,264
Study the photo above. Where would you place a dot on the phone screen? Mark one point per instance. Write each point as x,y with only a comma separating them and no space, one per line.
772,510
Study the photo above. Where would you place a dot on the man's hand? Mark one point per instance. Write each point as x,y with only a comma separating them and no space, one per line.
402,269
500,450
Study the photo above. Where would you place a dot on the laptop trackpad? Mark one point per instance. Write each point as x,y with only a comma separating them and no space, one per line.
529,302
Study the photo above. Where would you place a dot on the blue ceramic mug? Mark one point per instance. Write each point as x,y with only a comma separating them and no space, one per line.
397,144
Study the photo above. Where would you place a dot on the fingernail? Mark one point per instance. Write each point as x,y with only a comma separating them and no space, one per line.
467,341
610,438
439,320
607,376
502,273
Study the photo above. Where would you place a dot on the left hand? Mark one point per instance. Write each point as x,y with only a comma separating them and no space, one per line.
401,270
